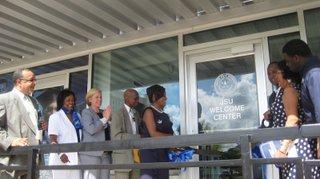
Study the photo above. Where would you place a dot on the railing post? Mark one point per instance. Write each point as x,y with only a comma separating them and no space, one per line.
247,168
299,168
307,170
32,163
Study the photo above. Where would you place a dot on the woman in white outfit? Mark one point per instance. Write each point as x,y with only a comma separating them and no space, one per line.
64,127
95,123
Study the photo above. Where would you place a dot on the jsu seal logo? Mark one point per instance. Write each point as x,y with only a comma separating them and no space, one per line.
225,84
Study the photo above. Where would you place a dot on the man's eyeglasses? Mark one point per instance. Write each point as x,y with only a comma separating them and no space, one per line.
29,80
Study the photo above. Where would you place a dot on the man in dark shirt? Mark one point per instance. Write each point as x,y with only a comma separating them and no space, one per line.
298,57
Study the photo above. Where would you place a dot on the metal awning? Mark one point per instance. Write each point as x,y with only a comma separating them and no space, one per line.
33,30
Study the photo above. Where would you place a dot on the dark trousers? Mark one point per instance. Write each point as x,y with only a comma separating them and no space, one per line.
154,155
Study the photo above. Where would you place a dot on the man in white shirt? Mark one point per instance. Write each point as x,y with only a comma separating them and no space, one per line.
18,121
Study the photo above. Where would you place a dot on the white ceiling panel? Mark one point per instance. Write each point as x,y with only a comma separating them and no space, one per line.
34,30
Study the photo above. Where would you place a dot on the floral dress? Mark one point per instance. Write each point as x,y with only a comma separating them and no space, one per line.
306,148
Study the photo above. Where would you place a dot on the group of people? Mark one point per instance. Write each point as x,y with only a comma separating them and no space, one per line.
295,102
19,127
68,126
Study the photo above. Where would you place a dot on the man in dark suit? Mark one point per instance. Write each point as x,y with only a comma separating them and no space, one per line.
18,121
267,116
125,126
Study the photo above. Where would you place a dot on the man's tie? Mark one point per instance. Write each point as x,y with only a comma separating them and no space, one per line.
31,111
132,112
136,157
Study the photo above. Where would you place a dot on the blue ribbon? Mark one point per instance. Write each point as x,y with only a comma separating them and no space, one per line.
77,124
76,121
181,156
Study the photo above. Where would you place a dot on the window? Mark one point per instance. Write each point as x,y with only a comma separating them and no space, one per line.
246,28
6,83
277,42
78,84
312,28
139,67
61,65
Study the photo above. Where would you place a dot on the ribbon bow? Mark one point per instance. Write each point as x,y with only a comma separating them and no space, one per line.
181,156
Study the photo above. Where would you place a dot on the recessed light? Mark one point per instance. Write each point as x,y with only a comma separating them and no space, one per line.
223,7
139,27
246,2
200,12
178,18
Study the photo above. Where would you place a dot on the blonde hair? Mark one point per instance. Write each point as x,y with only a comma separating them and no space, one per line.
90,93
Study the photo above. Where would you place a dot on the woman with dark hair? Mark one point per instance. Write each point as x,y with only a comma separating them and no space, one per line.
156,123
64,127
287,111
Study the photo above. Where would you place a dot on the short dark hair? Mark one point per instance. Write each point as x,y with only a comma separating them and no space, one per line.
272,63
287,73
62,96
157,91
296,47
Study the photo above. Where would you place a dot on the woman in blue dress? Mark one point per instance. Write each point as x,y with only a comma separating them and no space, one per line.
156,123
287,111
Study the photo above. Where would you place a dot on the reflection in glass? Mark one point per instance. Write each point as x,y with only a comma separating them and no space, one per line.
47,99
61,65
78,84
261,25
276,43
3,86
6,83
139,67
312,28
227,92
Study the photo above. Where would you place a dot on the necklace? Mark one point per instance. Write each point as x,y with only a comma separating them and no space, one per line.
159,110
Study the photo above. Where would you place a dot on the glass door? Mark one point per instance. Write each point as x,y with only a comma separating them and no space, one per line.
227,94
47,100
224,85
47,89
